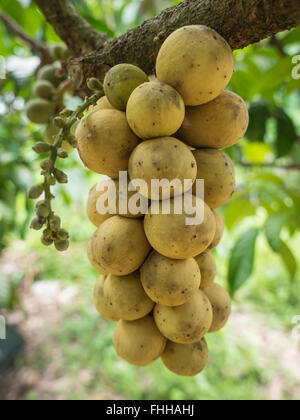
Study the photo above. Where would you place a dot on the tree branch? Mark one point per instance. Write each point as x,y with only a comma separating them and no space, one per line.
241,22
36,46
79,35
290,167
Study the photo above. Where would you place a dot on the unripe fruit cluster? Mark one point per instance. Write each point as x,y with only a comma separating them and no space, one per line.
46,109
158,272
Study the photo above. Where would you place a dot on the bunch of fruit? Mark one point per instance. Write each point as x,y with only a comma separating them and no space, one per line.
46,109
158,272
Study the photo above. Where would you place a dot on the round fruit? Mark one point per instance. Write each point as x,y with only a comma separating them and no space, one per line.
94,261
155,110
208,269
164,158
101,303
138,342
171,236
60,52
197,62
49,72
103,103
120,82
170,282
186,359
113,203
141,203
120,245
44,89
124,298
219,232
185,324
217,170
91,208
218,124
105,142
221,304
39,111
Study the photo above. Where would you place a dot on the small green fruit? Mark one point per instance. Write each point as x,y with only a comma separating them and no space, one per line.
55,223
62,153
120,82
37,223
49,72
46,241
45,165
35,192
43,211
41,147
94,84
44,89
62,234
62,245
61,177
39,111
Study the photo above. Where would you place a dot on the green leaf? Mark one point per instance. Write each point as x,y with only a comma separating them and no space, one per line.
288,259
237,211
259,114
273,228
256,152
286,133
242,260
267,177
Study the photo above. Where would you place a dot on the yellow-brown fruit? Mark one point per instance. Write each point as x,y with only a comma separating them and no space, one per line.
197,62
219,231
208,269
165,158
94,260
120,82
221,305
186,359
218,124
51,131
103,103
91,208
143,202
120,245
217,170
170,235
123,298
39,111
97,218
185,324
105,142
138,342
101,304
170,282
155,110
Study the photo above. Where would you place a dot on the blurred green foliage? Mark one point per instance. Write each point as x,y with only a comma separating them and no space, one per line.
267,201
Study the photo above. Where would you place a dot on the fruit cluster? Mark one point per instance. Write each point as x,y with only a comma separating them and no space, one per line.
47,109
158,272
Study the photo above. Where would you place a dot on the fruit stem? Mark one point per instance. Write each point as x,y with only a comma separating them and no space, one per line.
63,135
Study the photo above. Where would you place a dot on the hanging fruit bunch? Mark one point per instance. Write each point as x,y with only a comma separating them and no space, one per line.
157,273
47,109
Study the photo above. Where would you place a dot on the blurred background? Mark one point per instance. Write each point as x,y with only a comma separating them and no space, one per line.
64,349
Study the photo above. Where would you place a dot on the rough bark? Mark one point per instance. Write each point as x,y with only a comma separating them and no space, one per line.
241,22
79,36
